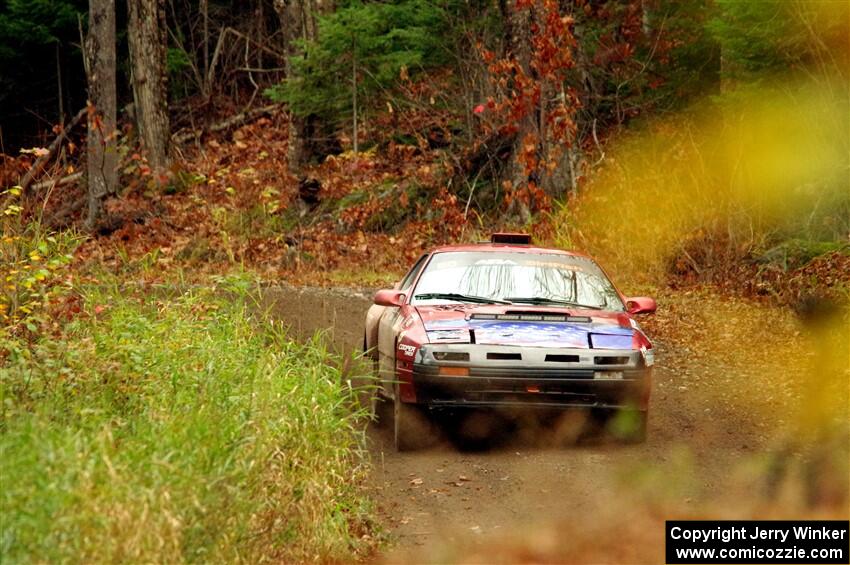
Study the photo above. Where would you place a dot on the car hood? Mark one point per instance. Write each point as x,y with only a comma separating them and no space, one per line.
527,326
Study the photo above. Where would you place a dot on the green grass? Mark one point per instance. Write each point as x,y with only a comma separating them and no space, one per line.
178,429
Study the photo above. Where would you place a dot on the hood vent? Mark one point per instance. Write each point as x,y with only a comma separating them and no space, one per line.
531,316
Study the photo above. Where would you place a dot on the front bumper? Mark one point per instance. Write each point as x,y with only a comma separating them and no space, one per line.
506,376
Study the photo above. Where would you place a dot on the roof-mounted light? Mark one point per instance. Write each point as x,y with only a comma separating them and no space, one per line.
511,238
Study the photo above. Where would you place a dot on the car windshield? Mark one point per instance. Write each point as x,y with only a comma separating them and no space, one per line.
519,278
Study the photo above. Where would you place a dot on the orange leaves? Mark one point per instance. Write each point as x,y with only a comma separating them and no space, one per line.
528,154
234,200
532,98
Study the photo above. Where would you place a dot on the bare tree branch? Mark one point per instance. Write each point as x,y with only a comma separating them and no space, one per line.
39,164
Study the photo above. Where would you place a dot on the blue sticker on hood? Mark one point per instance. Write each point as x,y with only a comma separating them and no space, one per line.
540,334
610,341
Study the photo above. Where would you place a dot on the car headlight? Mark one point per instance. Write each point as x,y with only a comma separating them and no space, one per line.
420,354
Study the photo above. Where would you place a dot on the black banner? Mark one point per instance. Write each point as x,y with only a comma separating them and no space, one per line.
758,541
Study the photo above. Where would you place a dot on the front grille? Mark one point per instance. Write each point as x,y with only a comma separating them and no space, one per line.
562,358
504,356
612,360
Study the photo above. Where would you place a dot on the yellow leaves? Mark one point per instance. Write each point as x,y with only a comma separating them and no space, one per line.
31,264
270,199
11,209
269,192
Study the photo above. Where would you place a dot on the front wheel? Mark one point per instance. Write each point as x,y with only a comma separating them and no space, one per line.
410,425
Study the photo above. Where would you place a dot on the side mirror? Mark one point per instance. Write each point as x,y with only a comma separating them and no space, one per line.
389,297
640,305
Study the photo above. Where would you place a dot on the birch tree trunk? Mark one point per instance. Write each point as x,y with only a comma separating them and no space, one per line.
147,41
102,107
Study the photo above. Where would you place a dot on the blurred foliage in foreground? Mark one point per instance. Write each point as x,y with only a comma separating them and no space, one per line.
752,184
177,429
751,176
749,181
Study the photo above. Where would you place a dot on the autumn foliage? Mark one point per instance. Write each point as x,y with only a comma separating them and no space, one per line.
531,100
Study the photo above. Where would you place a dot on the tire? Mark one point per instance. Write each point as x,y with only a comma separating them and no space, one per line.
411,429
382,411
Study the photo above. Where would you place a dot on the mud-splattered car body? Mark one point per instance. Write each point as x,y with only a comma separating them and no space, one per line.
452,350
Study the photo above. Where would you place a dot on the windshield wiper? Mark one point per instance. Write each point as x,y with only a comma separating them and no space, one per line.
459,298
544,300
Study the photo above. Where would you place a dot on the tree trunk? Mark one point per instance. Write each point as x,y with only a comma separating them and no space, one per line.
354,94
147,40
102,107
205,17
518,41
298,21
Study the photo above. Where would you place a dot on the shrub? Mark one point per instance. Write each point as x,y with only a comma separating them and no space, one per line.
33,263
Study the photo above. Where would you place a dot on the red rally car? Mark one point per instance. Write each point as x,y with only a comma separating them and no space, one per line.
505,324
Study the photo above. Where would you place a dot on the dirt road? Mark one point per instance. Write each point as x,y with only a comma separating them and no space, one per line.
723,394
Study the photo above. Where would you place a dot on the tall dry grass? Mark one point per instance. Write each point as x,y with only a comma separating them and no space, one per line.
178,429
724,182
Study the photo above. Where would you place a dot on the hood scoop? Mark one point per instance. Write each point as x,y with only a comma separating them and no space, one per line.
530,316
